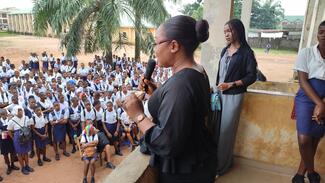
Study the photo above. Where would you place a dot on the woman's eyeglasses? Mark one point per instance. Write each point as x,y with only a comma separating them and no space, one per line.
161,42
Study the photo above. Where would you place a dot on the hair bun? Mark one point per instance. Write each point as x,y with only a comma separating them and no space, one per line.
202,30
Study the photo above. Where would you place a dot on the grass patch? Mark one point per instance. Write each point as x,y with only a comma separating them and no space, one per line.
276,52
6,34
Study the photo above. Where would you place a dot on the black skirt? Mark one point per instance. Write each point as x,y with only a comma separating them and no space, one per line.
7,146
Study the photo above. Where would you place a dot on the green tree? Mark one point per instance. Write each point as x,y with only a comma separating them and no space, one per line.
194,10
237,8
267,15
94,23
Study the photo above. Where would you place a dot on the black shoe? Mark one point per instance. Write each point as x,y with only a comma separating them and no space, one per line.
66,154
46,159
13,167
118,153
84,180
32,154
28,168
110,165
24,171
9,170
92,180
39,162
1,179
73,150
57,157
313,177
298,179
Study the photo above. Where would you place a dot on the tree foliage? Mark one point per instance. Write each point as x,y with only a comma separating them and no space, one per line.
94,23
194,10
265,14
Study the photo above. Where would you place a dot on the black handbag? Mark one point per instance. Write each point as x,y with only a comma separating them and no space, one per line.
25,133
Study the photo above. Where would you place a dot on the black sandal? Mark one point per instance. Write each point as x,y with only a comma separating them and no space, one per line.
57,157
298,179
313,177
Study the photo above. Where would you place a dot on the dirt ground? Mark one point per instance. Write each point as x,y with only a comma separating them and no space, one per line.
67,170
16,48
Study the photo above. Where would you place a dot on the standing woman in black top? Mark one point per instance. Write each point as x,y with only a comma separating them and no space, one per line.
180,142
237,70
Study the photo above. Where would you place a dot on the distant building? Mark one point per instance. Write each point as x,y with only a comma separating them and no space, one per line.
292,23
21,21
4,17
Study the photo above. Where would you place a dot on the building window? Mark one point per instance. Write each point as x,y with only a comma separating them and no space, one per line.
4,15
5,21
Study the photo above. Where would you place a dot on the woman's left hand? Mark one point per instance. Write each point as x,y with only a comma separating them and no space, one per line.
224,86
133,106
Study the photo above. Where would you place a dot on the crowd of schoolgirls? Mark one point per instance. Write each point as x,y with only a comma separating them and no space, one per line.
50,101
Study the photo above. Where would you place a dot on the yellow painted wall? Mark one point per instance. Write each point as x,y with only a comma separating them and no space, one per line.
267,134
23,23
130,33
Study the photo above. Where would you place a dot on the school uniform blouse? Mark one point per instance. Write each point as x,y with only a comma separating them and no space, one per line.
180,141
3,97
125,119
46,104
88,115
39,121
99,114
109,117
75,113
310,61
58,115
16,123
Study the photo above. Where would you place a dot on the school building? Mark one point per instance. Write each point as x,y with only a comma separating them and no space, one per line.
21,21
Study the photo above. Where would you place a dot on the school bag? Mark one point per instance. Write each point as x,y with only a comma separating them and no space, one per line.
25,133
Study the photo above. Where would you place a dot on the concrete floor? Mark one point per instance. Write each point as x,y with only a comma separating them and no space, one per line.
250,174
247,174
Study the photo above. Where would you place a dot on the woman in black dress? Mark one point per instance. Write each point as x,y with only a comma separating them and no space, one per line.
6,143
179,140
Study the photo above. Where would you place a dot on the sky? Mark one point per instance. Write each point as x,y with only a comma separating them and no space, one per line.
291,7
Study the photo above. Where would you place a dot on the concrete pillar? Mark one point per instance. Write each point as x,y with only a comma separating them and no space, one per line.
315,14
17,23
9,23
246,12
217,13
20,21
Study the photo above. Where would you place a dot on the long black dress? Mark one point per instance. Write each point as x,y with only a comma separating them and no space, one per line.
6,145
182,148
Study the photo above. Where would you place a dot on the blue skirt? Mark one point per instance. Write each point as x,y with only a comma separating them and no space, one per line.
21,148
111,128
46,65
52,64
59,132
75,132
40,143
75,64
304,110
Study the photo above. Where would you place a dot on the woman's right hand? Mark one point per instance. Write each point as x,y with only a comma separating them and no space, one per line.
319,113
151,85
